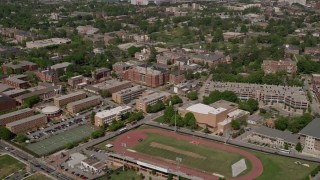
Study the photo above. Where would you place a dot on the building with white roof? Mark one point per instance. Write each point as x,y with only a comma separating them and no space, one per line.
107,116
47,42
217,116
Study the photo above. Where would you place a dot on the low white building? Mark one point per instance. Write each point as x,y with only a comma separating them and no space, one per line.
47,42
107,116
92,164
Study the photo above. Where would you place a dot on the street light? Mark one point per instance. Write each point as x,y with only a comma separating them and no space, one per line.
123,145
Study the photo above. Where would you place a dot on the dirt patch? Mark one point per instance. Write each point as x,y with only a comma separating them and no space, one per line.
175,150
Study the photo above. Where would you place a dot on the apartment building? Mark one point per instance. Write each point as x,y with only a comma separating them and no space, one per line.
17,81
48,75
73,81
127,95
210,59
111,86
43,92
47,42
6,103
149,98
78,106
290,97
148,76
28,123
14,116
107,116
65,99
60,68
101,73
18,67
310,138
272,67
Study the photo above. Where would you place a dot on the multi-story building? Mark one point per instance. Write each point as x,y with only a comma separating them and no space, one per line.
83,104
47,42
48,75
18,67
17,81
101,73
44,93
28,123
217,116
177,77
65,99
210,59
14,116
60,68
302,2
121,67
148,76
310,138
6,103
312,50
14,92
150,98
111,86
73,81
293,97
272,67
107,116
316,85
127,95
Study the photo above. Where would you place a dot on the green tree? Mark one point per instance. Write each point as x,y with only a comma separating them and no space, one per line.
192,96
235,124
282,123
168,114
299,147
5,134
189,120
98,133
30,101
21,138
105,93
92,117
70,145
132,50
286,146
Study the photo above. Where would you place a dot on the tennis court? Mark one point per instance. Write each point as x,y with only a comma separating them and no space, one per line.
57,142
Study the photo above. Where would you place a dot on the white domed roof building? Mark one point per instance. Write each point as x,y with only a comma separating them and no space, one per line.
51,111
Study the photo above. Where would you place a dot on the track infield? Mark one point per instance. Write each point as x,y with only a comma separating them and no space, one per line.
200,157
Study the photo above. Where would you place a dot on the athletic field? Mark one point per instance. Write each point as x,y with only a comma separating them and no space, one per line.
58,142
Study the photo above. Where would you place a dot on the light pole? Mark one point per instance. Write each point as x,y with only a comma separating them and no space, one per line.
123,145
179,160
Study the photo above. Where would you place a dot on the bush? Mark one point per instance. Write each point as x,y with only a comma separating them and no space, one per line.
5,134
192,96
21,138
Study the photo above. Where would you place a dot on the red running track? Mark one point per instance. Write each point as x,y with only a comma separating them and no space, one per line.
131,138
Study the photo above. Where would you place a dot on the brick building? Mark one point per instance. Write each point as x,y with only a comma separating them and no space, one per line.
65,99
148,76
6,103
127,95
111,86
78,106
73,81
310,138
17,81
19,67
44,93
107,116
272,67
150,98
14,116
48,76
27,124
210,59
101,73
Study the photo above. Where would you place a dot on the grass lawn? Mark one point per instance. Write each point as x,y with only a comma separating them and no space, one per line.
9,165
210,160
57,142
126,175
38,176
278,167
104,143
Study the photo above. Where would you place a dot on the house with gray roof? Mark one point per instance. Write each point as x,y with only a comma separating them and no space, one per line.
310,137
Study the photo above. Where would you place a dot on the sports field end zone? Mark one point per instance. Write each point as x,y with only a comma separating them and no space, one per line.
9,165
284,167
193,156
57,142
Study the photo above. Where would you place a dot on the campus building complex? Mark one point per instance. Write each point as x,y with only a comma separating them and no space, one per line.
148,76
65,99
272,67
217,116
111,86
107,116
47,42
150,98
17,81
28,123
291,97
83,104
126,95
14,116
19,67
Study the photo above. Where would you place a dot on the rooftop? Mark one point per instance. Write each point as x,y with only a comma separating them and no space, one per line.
205,109
285,135
110,84
60,65
25,120
112,112
131,90
69,95
312,129
84,100
209,57
15,113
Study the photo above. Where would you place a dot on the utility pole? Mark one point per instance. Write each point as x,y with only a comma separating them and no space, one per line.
123,145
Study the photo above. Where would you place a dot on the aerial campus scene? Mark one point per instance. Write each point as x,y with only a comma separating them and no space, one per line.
160,89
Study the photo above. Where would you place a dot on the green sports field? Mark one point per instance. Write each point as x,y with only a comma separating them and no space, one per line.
57,142
9,165
194,156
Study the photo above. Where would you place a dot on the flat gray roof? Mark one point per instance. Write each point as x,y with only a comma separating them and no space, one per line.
15,113
69,95
312,129
31,118
285,135
84,100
